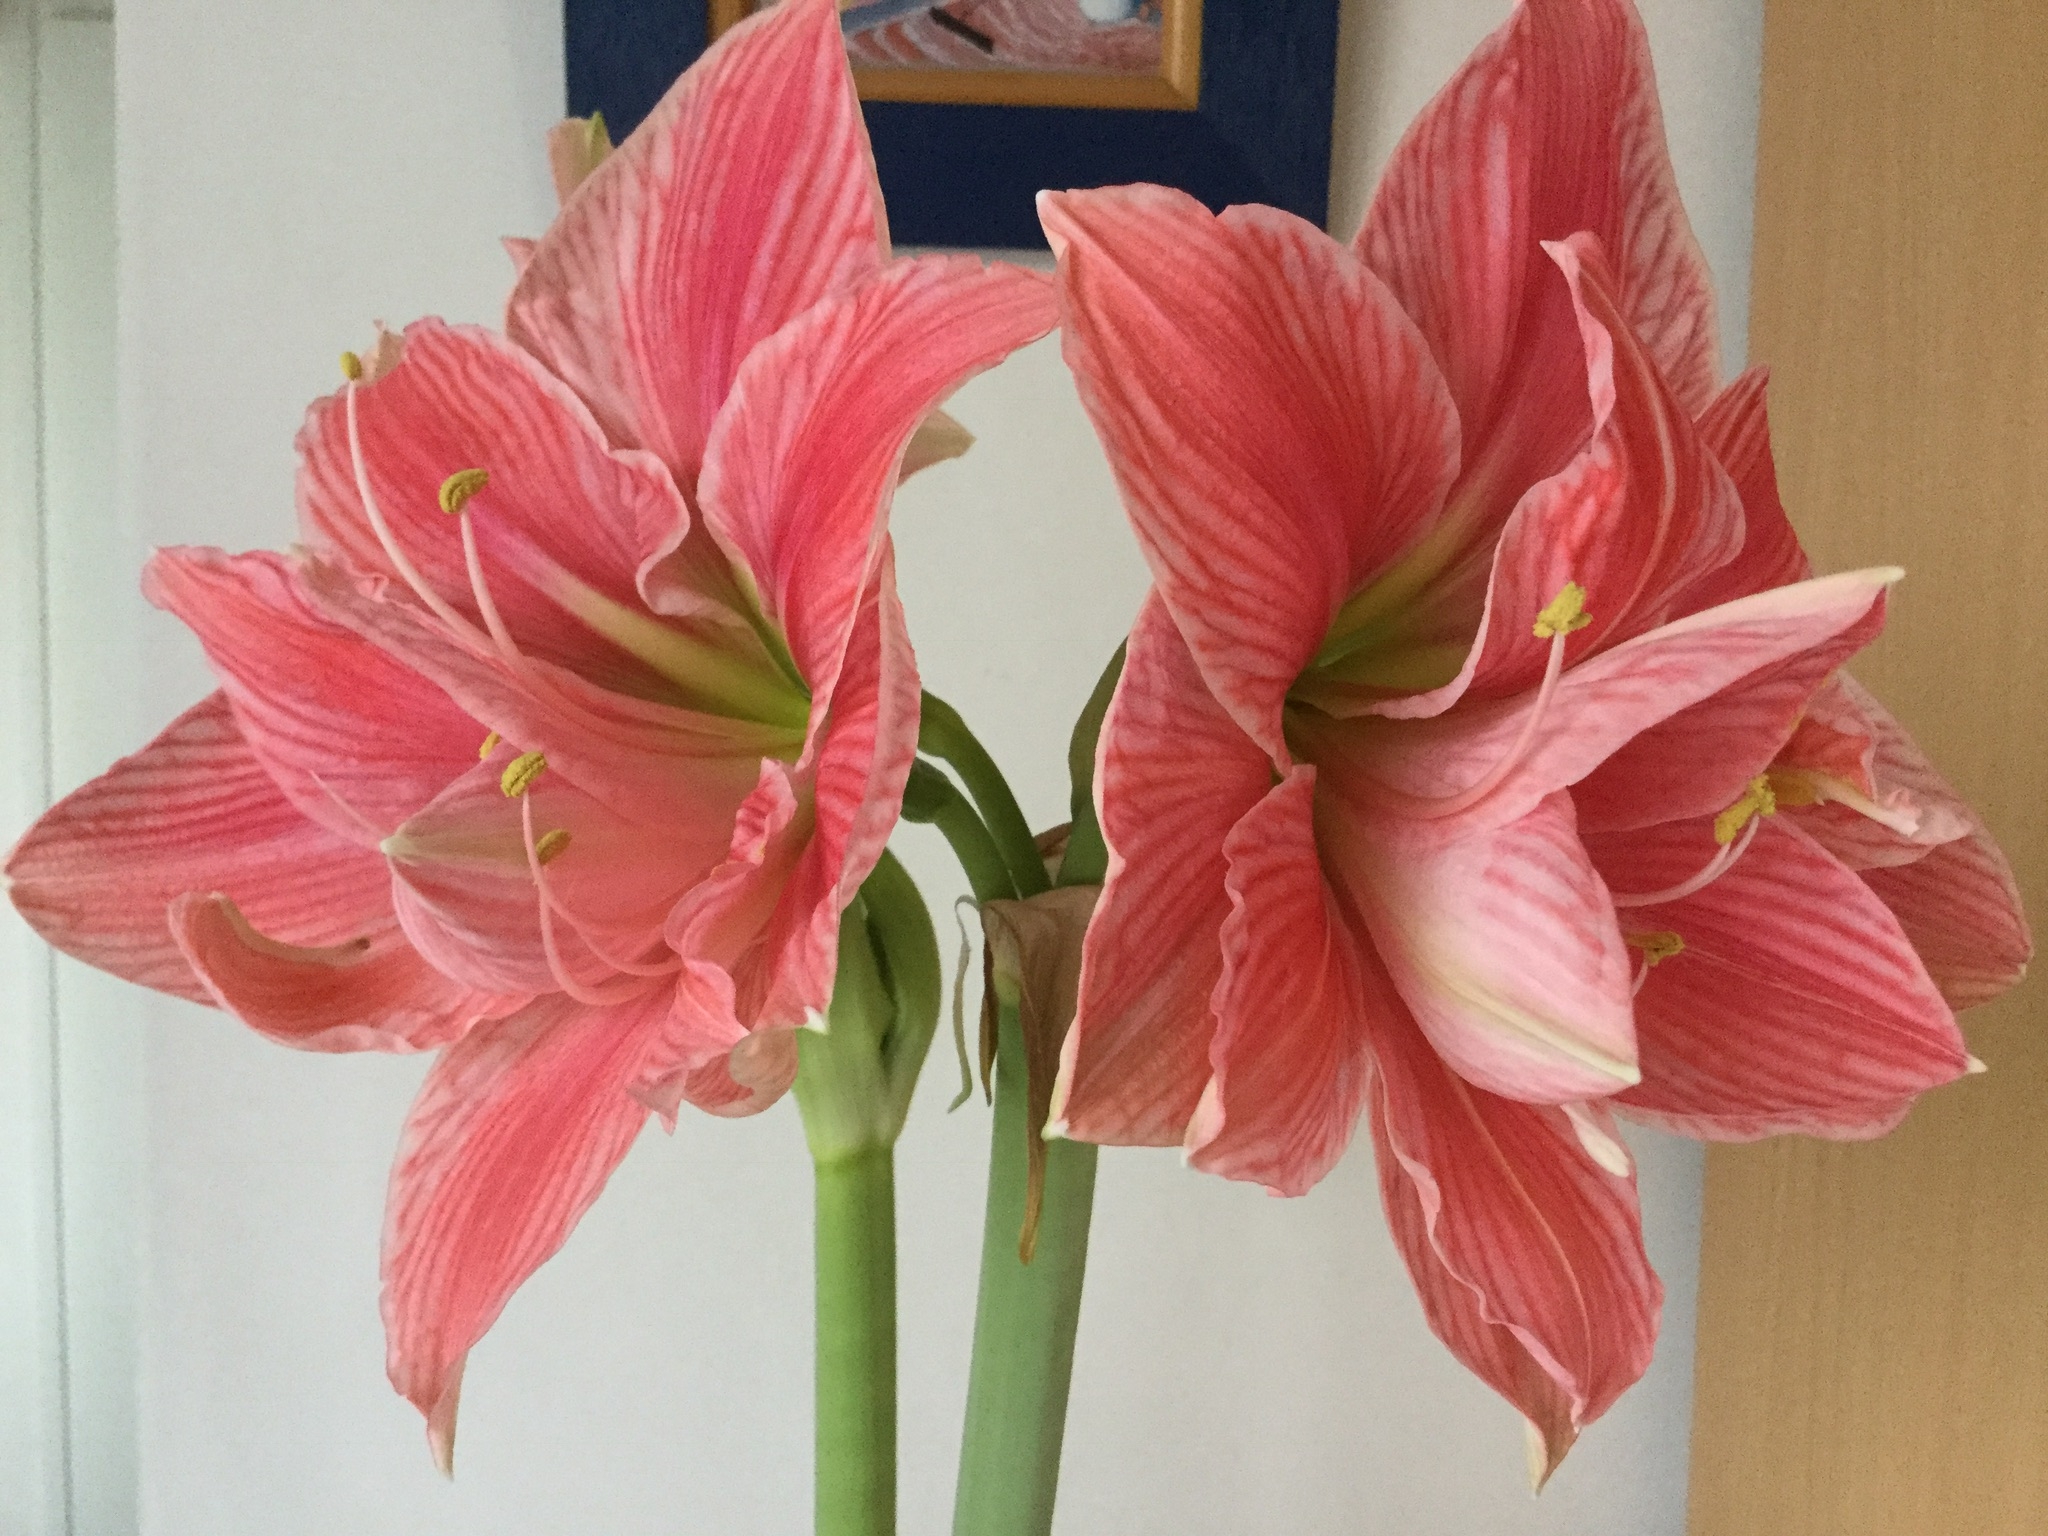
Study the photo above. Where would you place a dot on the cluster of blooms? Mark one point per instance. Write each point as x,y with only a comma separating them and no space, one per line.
1481,764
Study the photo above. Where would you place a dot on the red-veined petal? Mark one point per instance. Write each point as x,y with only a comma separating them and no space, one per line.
1290,1044
510,1141
1173,775
1797,1003
1961,910
1735,428
1278,431
747,195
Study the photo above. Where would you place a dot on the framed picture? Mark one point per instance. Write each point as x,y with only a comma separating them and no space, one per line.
1019,53
976,105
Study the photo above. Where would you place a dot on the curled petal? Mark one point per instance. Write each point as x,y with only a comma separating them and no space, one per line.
1173,774
1527,1255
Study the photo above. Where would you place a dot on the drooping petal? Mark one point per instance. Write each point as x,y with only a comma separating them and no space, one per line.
1502,942
1550,128
1278,431
804,458
1173,775
1797,1004
1736,430
558,513
1290,1045
372,993
512,1137
748,195
1527,1255
355,738
1639,519
1961,910
1602,704
645,760
193,811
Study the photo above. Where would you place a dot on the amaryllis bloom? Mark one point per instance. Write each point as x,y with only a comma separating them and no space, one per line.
586,705
1438,528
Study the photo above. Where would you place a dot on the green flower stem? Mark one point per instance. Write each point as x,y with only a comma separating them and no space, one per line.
931,797
856,1345
1024,1320
941,733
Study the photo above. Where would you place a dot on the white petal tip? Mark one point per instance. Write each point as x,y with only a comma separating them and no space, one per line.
816,1022
1973,1067
1055,1130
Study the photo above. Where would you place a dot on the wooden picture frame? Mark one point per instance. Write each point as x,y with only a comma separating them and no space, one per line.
965,172
1175,87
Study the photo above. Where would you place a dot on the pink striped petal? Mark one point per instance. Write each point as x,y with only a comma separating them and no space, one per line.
357,740
1173,775
1736,430
1278,431
1502,943
747,196
1551,127
560,506
803,460
1961,910
193,811
760,935
370,993
1885,808
1527,1255
1797,1004
510,1141
1291,1006
644,760
1639,519
1602,704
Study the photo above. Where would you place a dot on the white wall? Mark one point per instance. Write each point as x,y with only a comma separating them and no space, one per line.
291,170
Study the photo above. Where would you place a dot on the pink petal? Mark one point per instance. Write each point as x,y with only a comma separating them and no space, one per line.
560,508
644,760
1639,519
1503,944
747,196
760,936
510,1141
1797,1004
804,458
1291,1006
1911,806
356,739
1173,775
371,993
191,812
1278,431
1737,431
1528,1257
1961,911
1552,127
1602,704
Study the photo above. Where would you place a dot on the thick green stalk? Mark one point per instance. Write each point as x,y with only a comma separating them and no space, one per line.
942,733
856,1359
1024,1321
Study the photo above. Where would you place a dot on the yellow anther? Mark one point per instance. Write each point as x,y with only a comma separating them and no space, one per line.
351,367
520,773
549,845
600,138
1565,613
1656,947
460,486
1757,800
490,745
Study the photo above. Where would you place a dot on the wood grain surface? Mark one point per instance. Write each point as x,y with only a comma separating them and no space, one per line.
1873,1335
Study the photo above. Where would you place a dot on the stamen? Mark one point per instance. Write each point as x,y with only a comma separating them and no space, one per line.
480,589
459,487
590,996
551,845
1560,617
520,773
351,367
483,753
1753,807
1656,949
397,556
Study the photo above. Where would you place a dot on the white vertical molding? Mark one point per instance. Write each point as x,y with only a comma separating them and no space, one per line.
91,658
33,1480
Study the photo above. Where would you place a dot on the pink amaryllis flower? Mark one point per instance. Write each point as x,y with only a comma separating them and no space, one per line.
1438,528
586,705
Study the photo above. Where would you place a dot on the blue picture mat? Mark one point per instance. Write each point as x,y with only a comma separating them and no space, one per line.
966,175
